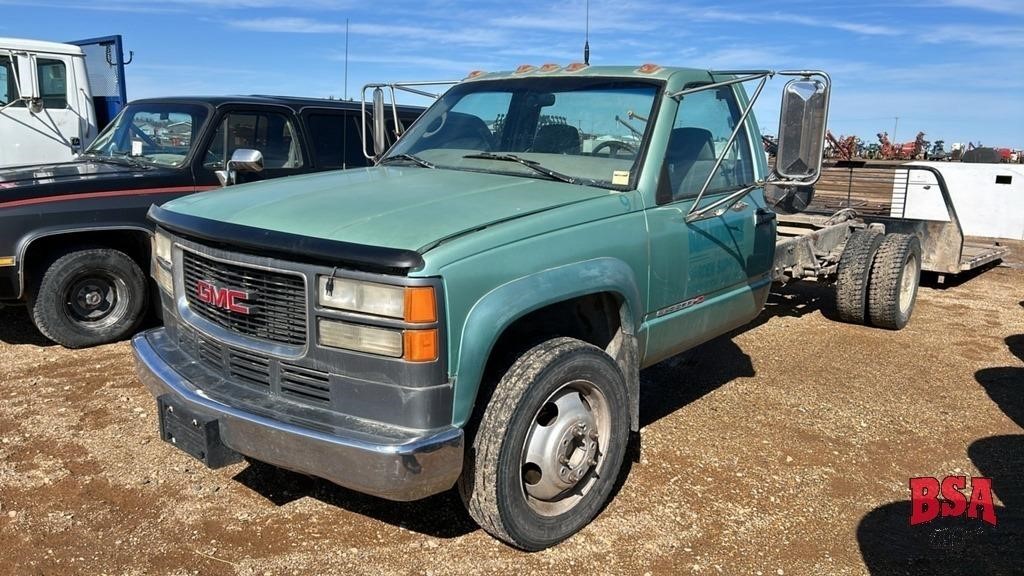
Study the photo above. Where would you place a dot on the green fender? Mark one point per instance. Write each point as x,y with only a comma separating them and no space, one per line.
502,306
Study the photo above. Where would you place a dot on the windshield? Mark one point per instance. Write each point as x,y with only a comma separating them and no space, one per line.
582,130
161,134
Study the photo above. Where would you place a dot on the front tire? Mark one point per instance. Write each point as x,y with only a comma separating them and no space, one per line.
549,446
89,297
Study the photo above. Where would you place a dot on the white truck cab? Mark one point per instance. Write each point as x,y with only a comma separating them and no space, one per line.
49,111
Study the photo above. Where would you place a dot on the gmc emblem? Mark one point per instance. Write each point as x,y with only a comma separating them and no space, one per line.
226,298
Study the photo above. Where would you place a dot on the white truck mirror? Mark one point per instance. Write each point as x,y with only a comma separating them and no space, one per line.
802,129
28,81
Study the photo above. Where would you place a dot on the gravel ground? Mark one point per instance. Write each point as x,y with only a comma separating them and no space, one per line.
782,449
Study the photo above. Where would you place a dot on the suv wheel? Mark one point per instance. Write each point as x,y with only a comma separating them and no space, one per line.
89,297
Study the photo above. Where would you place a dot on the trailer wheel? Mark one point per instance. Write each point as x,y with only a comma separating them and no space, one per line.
550,445
853,275
89,297
895,276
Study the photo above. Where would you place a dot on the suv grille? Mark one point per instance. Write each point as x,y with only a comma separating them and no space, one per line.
276,301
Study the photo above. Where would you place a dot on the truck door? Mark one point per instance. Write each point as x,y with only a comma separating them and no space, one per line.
44,131
709,275
104,64
275,133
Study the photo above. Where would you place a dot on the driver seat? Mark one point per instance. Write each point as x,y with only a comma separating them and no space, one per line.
557,139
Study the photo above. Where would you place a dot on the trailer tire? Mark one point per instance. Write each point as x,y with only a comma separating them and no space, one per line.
89,297
895,277
550,445
854,274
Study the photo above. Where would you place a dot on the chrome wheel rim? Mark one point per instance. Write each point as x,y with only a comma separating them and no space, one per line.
565,448
908,284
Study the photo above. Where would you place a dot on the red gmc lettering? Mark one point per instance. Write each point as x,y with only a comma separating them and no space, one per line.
226,298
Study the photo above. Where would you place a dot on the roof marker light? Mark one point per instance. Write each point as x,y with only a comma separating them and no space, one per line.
474,74
549,68
576,67
524,68
648,68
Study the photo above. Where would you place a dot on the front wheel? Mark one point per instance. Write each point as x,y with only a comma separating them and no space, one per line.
550,445
89,297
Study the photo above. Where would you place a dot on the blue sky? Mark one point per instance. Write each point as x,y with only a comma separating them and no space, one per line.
951,68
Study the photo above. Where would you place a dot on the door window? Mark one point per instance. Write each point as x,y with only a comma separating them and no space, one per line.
271,133
53,83
335,140
703,124
8,89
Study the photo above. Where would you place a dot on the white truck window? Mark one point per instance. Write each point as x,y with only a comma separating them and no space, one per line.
53,82
8,89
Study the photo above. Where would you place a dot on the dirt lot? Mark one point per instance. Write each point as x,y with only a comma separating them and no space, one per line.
783,449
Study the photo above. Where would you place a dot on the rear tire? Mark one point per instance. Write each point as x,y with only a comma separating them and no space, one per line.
550,445
89,297
853,275
895,277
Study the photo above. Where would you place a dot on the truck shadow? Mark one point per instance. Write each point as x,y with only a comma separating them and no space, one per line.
441,516
959,545
16,328
931,279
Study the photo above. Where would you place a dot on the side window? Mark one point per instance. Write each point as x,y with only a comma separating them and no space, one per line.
703,124
271,133
335,138
8,90
53,83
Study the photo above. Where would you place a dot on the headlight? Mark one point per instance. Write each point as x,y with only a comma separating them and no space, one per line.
360,338
412,304
162,247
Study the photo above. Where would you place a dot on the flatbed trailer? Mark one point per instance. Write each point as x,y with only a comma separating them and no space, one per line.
902,199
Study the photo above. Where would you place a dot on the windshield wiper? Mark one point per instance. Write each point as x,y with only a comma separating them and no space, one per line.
410,158
120,160
531,164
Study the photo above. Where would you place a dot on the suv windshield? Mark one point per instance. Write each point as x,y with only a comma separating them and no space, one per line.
160,134
581,130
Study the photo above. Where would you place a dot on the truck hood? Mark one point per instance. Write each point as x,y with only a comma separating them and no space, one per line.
51,181
409,208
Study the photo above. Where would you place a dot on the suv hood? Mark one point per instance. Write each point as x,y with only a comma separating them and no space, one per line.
410,208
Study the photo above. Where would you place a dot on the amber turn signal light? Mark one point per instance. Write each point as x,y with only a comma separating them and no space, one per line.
420,345
420,305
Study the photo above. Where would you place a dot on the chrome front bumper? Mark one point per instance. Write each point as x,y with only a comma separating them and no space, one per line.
372,458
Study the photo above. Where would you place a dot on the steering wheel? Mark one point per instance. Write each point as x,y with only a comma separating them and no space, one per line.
613,148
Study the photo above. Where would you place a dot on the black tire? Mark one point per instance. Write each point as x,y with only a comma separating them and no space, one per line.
495,479
853,275
89,297
895,277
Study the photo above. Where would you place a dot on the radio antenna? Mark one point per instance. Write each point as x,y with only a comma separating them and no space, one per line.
346,58
586,41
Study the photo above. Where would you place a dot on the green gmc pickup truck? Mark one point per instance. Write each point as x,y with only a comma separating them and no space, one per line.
474,310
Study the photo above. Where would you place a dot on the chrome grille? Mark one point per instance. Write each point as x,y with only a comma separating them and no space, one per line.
276,300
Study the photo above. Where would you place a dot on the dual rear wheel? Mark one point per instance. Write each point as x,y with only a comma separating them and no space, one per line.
878,278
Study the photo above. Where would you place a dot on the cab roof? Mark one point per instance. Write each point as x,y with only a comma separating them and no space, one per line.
645,71
24,44
294,102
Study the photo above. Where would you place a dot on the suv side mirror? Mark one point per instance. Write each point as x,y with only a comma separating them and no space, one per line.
242,160
379,123
246,160
801,145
